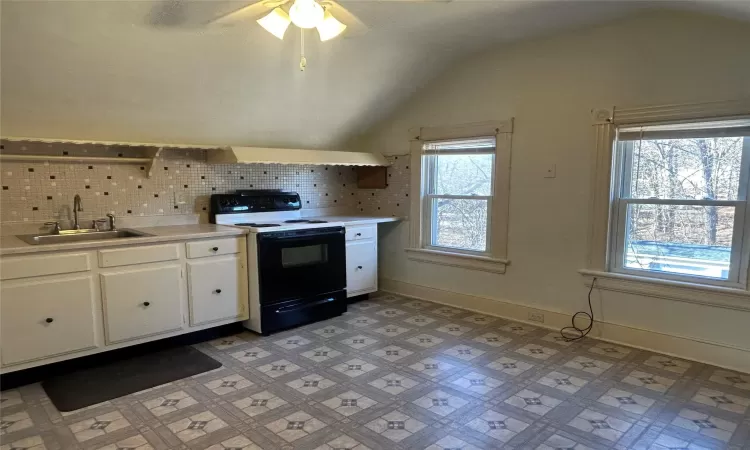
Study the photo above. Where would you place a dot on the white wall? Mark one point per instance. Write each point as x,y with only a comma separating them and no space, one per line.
549,86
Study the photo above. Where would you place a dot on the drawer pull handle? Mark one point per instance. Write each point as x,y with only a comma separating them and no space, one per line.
146,303
216,249
218,291
358,234
49,320
359,267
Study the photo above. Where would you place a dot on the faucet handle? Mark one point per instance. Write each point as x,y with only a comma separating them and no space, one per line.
55,225
111,218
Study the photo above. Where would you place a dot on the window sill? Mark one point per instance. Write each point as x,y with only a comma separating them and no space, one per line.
702,294
482,263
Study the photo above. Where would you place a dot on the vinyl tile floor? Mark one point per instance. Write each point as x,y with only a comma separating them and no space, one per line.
397,373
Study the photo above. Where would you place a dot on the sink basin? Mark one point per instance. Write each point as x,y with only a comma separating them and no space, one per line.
66,236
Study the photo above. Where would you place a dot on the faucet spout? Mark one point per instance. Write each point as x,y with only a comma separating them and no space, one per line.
77,207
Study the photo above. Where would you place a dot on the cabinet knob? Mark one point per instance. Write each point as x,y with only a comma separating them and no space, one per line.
146,303
358,234
218,291
49,320
216,249
359,267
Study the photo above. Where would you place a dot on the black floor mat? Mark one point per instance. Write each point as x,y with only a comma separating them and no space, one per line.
98,384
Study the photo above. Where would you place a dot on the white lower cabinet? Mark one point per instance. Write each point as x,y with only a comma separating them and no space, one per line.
142,301
58,305
217,289
361,260
47,316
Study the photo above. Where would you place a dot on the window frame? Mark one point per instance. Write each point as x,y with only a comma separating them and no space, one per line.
420,243
622,171
429,172
603,173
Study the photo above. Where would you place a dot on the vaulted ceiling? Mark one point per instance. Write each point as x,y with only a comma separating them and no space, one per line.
99,69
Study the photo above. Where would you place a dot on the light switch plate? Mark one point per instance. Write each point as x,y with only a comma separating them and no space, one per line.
550,171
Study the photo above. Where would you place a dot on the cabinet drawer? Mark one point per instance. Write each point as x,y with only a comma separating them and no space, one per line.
214,247
142,302
361,267
138,255
361,232
217,290
44,318
36,266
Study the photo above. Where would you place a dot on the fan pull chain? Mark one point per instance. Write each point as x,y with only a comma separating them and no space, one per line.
302,59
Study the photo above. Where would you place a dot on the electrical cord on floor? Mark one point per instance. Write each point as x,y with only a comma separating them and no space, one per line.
573,332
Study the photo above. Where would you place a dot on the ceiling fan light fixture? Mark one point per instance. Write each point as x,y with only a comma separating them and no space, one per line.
276,22
306,13
330,27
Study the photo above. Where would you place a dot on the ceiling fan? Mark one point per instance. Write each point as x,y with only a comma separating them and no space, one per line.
328,17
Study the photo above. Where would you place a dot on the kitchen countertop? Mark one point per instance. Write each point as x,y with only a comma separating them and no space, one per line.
11,245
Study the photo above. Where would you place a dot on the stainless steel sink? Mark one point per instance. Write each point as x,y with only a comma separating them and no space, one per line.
66,236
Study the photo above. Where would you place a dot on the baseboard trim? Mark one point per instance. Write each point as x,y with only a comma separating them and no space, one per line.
718,354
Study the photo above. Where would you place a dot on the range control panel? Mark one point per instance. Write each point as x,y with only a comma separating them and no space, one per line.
254,201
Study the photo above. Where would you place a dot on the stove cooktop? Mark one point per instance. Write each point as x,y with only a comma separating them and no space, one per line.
258,225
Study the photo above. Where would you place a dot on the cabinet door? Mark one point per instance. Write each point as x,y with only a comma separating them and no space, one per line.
47,317
217,289
361,267
142,302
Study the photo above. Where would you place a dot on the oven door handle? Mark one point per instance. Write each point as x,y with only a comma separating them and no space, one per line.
271,237
291,308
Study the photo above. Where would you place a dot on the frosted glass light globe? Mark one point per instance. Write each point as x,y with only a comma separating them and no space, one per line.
306,13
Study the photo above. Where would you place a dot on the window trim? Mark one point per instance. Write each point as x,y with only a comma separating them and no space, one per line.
495,258
604,175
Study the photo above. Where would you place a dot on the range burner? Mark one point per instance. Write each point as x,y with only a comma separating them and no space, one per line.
305,221
258,225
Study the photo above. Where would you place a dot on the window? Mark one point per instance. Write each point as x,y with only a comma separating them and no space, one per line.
459,190
679,201
458,185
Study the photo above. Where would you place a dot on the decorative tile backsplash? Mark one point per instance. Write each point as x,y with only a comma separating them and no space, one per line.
181,183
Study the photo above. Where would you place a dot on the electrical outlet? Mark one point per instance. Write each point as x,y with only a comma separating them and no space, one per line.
536,317
179,199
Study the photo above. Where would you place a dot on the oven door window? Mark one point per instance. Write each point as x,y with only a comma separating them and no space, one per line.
308,255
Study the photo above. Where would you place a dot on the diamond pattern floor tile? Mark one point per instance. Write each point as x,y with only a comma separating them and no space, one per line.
399,374
395,426
497,425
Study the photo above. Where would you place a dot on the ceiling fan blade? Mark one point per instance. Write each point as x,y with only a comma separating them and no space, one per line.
354,26
246,13
167,13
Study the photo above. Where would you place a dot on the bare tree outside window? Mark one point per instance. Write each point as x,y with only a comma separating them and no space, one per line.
670,234
460,188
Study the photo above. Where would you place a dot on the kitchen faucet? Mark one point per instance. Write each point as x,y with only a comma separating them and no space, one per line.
76,209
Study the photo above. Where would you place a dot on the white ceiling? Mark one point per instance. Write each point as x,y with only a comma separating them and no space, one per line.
96,69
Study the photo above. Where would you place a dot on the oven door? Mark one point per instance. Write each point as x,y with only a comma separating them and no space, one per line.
300,264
